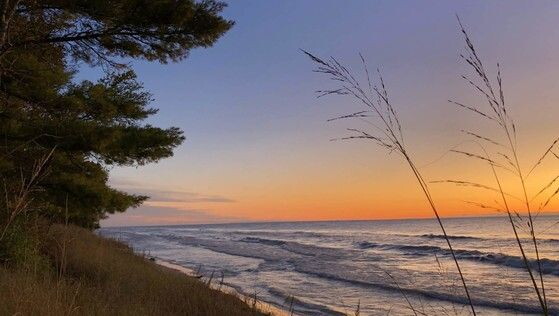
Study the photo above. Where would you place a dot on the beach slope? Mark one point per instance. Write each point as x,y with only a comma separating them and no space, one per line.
84,274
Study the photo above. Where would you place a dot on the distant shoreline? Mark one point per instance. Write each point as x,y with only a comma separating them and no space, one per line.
551,214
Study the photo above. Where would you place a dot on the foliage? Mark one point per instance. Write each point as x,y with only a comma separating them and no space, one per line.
60,137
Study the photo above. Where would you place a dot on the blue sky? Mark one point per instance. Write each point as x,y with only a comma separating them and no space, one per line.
258,137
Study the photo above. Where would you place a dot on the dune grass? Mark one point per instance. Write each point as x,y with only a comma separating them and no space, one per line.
384,129
500,151
90,275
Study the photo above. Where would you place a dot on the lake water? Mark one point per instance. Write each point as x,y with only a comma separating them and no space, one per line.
329,268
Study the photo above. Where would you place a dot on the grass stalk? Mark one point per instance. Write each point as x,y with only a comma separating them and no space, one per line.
498,113
388,135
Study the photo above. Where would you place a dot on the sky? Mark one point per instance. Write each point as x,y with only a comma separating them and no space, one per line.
257,139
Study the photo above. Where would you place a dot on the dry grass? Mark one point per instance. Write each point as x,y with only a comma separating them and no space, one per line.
500,151
385,129
95,276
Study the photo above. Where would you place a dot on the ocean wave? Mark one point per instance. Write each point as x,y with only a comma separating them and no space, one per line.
383,284
439,236
304,234
367,245
461,237
457,237
228,247
302,306
271,242
550,240
261,248
548,266
474,238
303,249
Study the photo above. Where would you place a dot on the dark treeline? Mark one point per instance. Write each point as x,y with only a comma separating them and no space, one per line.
60,136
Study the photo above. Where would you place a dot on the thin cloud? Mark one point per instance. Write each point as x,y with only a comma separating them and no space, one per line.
181,196
158,215
158,195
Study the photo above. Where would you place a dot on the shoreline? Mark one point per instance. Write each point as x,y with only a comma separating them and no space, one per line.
257,222
262,306
339,268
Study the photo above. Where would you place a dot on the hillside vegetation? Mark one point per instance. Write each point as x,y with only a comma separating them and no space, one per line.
82,273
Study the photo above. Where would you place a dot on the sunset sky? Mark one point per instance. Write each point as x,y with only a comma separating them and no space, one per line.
258,142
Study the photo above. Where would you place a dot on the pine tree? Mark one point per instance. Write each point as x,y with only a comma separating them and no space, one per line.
59,137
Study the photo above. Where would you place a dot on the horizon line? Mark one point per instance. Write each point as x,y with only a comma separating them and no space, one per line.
546,214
